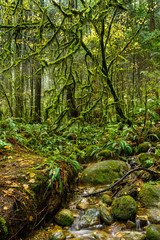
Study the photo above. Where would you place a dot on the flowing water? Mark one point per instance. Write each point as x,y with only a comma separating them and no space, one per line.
116,231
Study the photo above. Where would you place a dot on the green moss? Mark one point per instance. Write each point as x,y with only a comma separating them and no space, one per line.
64,217
143,147
124,207
106,199
149,195
147,159
103,172
153,232
3,228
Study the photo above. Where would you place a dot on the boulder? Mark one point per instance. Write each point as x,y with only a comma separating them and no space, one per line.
64,217
57,233
82,204
153,232
153,215
124,208
143,147
130,224
149,195
103,172
148,159
106,199
106,214
90,217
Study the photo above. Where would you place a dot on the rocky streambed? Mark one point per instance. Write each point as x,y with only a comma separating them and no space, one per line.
129,211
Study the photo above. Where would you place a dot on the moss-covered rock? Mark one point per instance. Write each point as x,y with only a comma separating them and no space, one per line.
149,195
107,154
64,217
153,232
143,147
124,207
57,233
147,159
103,172
106,214
106,199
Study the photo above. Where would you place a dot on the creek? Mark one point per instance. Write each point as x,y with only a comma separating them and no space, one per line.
116,231
97,229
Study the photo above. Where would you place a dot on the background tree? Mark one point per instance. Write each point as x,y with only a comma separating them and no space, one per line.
85,60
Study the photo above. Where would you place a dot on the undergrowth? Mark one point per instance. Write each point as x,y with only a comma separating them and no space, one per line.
76,145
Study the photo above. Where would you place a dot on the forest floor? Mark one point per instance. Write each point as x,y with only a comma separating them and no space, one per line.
38,167
22,189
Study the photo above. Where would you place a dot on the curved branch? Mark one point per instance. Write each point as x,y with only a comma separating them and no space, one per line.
116,183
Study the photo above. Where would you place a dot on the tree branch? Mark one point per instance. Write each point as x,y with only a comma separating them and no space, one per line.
116,183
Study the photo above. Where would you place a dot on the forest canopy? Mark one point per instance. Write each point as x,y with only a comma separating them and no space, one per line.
76,61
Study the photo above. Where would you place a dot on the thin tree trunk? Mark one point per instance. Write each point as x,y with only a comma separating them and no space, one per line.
38,98
152,20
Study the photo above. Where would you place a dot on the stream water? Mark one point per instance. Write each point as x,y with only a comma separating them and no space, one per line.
119,230
116,231
99,231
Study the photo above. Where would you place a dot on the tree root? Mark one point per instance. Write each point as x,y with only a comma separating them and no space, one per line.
116,183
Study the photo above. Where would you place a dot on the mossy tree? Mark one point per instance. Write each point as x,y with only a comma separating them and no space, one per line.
79,45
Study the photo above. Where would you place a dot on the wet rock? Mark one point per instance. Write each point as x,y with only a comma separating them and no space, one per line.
124,208
148,159
101,235
106,214
143,147
130,224
153,232
82,204
134,235
90,218
154,215
149,195
141,220
103,172
57,234
106,199
115,227
64,217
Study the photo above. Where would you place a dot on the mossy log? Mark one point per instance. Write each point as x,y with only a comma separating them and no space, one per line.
25,200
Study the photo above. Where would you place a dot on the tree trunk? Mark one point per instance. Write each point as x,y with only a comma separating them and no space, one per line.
72,113
152,20
38,98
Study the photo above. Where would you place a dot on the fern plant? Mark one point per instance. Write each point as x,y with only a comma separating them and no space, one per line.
119,146
53,169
